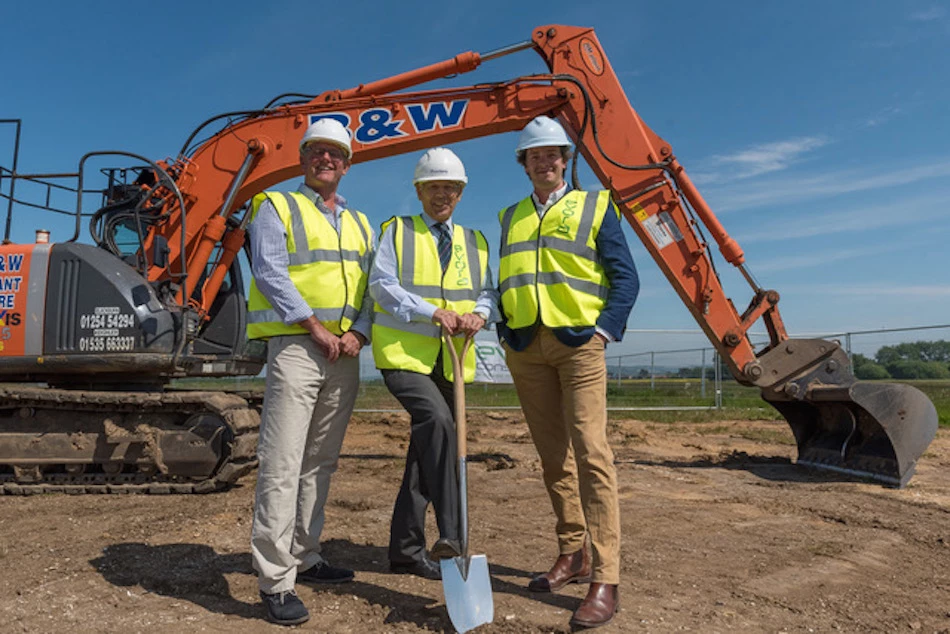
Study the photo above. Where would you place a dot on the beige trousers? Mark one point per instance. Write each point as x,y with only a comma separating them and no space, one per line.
563,393
307,406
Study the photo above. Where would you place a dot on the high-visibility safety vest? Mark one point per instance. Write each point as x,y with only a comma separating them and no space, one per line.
329,270
550,266
415,346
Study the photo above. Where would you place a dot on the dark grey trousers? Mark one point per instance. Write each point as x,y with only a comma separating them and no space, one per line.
430,474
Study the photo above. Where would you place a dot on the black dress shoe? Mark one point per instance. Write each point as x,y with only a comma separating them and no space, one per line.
425,568
285,608
323,572
446,548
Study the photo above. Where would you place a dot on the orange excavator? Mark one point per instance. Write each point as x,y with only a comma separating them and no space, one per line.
159,294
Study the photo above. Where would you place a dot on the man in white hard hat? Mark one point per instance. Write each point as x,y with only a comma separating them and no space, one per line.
315,324
567,283
429,273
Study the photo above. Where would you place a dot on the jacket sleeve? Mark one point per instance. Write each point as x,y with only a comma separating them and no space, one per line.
617,261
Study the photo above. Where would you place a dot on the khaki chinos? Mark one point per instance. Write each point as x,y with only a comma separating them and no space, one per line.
563,393
307,407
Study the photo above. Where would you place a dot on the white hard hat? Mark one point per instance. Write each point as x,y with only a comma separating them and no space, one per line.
439,164
542,132
329,130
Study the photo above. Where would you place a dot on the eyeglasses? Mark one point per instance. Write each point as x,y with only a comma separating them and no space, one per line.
451,190
316,151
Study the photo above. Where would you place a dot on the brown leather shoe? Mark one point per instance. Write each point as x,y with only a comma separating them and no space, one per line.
572,568
598,607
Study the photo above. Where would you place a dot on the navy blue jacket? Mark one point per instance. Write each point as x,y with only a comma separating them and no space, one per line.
624,282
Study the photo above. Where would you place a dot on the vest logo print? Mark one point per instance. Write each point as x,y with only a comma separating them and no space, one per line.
461,265
570,208
378,124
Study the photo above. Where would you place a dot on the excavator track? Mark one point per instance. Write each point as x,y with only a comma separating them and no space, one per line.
80,441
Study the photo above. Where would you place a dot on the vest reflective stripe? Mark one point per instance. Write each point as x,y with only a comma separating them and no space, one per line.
323,314
430,291
558,244
415,346
550,265
330,270
324,255
414,327
582,286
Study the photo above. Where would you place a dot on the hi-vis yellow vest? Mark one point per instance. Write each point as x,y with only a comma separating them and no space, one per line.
330,271
415,346
550,265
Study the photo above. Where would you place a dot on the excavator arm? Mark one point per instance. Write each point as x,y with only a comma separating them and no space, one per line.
877,431
648,184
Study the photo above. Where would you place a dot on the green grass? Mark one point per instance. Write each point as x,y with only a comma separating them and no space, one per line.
739,402
939,393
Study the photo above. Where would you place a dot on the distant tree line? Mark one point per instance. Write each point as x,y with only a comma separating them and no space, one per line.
640,372
917,360
696,372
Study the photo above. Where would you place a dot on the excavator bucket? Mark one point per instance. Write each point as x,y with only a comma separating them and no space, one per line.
872,430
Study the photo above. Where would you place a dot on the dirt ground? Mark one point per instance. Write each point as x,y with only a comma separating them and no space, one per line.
721,533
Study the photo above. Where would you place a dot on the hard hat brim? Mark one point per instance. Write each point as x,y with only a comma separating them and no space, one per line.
525,148
429,179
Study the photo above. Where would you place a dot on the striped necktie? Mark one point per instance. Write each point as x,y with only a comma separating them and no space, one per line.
445,245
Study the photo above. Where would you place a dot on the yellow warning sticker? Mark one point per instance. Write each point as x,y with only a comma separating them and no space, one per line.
639,212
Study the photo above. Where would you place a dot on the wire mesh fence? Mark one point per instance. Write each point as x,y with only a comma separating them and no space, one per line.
668,370
691,377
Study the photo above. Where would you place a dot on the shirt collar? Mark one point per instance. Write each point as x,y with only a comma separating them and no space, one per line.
430,222
316,199
557,195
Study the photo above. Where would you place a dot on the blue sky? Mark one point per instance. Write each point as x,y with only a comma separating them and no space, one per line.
817,131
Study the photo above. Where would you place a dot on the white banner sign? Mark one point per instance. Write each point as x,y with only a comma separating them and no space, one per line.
490,366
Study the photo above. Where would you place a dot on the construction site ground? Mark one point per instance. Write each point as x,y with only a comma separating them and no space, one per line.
721,533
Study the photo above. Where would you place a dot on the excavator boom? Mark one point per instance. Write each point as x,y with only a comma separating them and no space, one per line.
190,243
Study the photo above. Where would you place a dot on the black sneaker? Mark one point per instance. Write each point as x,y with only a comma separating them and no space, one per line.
323,572
426,568
285,608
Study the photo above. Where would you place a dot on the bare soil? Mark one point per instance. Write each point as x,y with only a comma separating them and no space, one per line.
722,533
